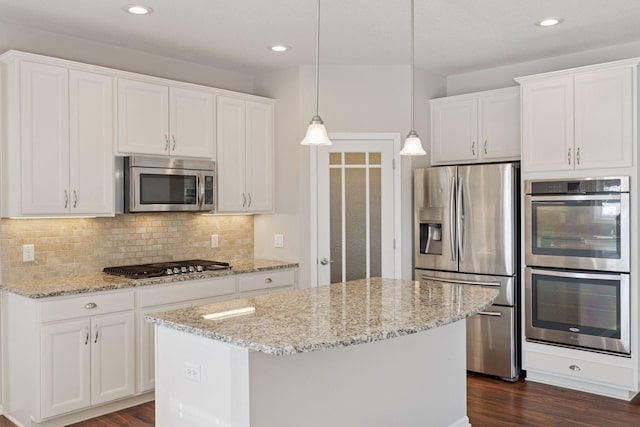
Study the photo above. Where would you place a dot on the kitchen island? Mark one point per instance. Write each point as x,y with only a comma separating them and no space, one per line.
375,352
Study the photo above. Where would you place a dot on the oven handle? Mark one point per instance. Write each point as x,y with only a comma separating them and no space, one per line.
459,282
566,197
572,275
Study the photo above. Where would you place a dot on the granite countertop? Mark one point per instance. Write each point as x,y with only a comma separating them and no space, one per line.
337,315
70,285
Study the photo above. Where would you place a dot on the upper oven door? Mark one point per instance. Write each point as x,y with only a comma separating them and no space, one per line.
580,232
167,190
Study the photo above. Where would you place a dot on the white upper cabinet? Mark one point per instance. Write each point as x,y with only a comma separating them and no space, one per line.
161,120
579,119
244,156
476,127
60,162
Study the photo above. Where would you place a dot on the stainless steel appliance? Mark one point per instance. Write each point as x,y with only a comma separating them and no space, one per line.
466,230
577,235
581,224
581,309
144,271
157,184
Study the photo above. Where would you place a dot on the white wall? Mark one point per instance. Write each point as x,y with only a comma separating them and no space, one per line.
498,77
81,50
352,99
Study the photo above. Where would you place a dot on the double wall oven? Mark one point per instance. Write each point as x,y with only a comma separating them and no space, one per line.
577,235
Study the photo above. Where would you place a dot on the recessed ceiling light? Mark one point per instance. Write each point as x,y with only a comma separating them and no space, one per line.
280,48
549,22
138,9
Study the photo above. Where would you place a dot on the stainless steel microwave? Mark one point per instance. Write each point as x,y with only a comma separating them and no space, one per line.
157,184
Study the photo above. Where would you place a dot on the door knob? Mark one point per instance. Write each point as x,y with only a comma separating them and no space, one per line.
325,261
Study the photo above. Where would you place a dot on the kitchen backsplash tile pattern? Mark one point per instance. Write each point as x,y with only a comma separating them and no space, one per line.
86,245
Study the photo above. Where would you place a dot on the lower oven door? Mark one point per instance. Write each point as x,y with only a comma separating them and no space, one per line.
578,309
491,343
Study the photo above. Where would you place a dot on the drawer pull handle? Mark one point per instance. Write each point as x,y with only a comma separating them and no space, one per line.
575,368
268,280
90,305
490,313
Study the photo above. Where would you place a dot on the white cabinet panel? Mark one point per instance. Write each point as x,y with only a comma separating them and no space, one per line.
476,127
65,367
191,119
259,157
91,187
604,119
244,156
143,126
44,141
112,357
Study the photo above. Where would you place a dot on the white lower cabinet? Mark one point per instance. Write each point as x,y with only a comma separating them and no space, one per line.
86,362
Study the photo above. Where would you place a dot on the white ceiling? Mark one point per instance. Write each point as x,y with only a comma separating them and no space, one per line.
452,36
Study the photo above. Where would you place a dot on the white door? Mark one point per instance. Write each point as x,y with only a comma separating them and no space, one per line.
91,143
259,157
112,357
191,121
455,131
65,367
500,125
356,209
143,118
230,146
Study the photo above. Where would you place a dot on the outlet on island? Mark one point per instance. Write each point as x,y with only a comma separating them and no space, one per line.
28,253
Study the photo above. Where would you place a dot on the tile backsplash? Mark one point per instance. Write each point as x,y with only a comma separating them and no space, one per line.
86,245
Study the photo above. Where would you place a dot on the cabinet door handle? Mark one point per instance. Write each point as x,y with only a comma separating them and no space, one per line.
249,205
485,146
473,148
569,156
75,199
90,305
268,280
578,156
66,199
166,142
244,200
173,138
95,341
86,336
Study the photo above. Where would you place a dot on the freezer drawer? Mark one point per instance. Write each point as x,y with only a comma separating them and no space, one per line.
491,343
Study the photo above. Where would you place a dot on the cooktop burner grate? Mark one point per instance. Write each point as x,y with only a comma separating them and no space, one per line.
144,271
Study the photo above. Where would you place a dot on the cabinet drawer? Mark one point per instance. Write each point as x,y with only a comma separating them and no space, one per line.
86,305
271,279
580,369
185,291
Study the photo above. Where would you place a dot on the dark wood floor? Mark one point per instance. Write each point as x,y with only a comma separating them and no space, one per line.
490,403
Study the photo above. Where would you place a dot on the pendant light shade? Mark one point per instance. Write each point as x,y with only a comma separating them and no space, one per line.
412,145
316,132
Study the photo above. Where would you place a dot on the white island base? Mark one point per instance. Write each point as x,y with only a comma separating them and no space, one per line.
416,380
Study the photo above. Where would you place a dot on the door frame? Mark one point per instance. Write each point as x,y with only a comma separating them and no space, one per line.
392,138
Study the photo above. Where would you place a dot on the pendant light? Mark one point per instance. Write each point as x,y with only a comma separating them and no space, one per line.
412,145
316,132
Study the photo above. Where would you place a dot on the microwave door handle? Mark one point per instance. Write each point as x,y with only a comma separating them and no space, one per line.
200,184
452,224
460,219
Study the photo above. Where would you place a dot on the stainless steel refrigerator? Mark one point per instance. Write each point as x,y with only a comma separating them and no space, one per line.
467,230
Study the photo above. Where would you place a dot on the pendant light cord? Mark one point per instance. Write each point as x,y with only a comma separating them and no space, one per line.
318,54
412,63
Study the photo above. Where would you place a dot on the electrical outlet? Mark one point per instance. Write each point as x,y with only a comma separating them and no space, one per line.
214,240
28,253
192,371
278,241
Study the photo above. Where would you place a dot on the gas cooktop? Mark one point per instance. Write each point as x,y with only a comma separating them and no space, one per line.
145,271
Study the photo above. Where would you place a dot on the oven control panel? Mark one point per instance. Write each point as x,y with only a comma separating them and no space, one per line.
579,186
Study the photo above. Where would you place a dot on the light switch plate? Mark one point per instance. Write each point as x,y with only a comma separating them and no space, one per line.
28,253
278,241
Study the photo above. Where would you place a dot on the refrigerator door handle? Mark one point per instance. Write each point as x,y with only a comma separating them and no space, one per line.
460,218
452,219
